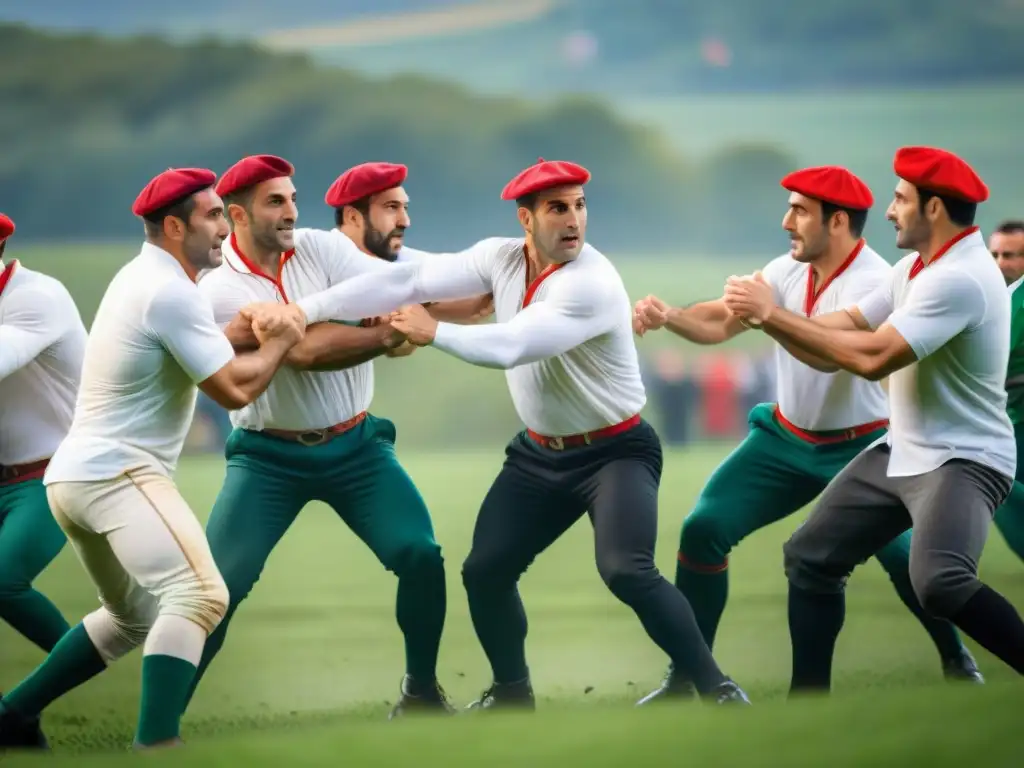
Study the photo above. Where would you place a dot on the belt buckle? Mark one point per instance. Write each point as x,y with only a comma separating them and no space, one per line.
319,437
851,434
556,444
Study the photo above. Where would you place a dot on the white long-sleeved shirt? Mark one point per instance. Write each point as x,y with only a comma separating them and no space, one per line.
42,342
569,355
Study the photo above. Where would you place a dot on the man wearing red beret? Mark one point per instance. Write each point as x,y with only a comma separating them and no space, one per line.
109,484
939,328
42,340
824,416
564,338
311,436
371,208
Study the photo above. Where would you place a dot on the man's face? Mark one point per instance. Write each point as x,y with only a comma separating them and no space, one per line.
808,232
205,231
558,223
1008,250
384,229
913,227
272,214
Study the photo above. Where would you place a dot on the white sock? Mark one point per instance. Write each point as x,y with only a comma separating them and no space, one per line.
176,636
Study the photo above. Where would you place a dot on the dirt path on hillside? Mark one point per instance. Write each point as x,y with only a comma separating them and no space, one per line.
377,30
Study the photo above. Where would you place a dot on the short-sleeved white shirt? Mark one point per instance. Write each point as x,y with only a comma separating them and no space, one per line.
295,399
811,399
951,403
569,355
42,341
152,341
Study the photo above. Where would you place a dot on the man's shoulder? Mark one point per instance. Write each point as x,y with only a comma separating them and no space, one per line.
869,260
38,288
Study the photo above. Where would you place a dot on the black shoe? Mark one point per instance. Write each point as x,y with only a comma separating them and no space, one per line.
727,693
963,669
18,732
674,687
506,696
419,698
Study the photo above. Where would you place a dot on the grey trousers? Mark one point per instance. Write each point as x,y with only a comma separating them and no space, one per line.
862,510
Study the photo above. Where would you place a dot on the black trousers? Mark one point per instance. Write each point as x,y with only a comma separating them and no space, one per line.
538,495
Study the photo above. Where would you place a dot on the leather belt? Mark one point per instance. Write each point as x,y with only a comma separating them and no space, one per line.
584,438
310,437
19,473
831,436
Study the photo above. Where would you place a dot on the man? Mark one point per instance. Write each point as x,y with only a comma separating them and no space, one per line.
939,328
1007,247
311,437
42,340
109,483
824,416
564,338
1006,244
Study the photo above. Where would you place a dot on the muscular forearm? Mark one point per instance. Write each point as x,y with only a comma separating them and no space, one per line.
805,357
334,347
250,373
706,323
852,350
470,310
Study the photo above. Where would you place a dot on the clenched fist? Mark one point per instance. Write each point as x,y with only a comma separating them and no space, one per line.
649,314
271,320
415,323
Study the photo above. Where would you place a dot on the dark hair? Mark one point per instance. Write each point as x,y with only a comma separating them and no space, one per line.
858,216
181,209
241,196
362,205
528,201
1010,226
960,212
3,247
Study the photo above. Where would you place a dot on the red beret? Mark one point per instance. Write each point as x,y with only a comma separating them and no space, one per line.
6,227
173,184
253,170
364,180
545,175
830,184
939,171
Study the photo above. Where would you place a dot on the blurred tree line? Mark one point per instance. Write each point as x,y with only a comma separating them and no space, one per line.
86,121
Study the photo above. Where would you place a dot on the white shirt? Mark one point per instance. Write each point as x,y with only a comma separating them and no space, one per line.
809,398
951,403
295,400
569,356
153,339
42,341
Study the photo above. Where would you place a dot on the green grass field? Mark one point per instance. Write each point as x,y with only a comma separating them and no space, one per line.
314,658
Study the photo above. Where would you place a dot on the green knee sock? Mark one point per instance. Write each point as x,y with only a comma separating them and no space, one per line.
166,681
1010,520
420,609
707,591
71,662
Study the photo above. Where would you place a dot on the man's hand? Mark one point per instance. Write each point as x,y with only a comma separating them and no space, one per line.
404,349
276,321
240,334
749,297
649,314
415,323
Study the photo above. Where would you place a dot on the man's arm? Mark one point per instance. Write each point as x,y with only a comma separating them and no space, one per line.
843,320
373,287
708,322
570,315
184,323
334,347
34,320
471,310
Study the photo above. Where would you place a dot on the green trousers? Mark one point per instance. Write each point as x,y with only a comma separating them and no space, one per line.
770,475
29,541
1009,518
270,480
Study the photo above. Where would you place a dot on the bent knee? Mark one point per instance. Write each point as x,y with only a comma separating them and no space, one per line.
627,576
414,556
704,541
943,588
203,602
808,568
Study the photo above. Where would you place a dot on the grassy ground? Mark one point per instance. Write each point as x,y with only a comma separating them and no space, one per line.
314,658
